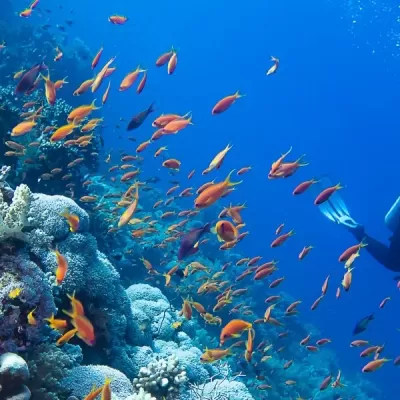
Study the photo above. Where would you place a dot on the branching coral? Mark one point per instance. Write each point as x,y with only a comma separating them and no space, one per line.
13,217
161,378
221,386
48,365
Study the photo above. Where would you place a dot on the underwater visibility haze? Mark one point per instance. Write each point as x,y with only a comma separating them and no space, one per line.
199,200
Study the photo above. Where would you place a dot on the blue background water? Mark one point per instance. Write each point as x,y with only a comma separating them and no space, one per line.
333,98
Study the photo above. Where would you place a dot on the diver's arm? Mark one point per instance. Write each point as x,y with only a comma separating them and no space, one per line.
378,250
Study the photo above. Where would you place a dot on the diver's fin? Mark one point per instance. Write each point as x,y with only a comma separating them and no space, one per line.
335,208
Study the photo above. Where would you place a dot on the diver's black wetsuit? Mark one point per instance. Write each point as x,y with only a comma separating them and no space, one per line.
389,256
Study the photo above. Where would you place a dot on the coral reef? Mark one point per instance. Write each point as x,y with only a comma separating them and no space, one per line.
81,380
48,365
13,217
161,378
14,374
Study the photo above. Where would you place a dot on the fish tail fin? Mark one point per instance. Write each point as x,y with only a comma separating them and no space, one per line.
228,181
151,108
299,161
69,314
238,95
64,80
93,105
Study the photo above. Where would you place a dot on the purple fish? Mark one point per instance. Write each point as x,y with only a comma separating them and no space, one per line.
189,242
29,77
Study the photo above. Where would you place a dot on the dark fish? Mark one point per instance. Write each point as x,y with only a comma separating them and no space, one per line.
138,119
132,138
153,179
61,28
189,242
29,77
180,273
45,27
174,182
68,22
362,325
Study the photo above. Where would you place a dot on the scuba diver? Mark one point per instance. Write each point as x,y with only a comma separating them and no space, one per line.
389,256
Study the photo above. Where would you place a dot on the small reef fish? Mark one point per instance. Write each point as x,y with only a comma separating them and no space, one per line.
190,241
72,220
28,79
31,318
58,324
66,337
138,119
62,267
225,103
362,325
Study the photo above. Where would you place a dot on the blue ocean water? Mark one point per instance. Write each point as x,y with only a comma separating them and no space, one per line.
334,98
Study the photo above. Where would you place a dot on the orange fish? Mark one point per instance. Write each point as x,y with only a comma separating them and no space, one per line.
305,251
243,170
164,58
82,112
62,267
374,365
326,194
347,279
249,345
186,310
60,83
84,87
143,146
118,19
66,337
172,163
142,83
26,13
96,58
282,239
128,213
345,256
225,231
214,192
101,75
105,95
62,132
234,329
72,220
177,125
302,187
130,79
225,103
85,329
58,324
23,128
172,63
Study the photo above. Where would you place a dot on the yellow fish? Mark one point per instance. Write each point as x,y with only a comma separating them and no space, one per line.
31,319
15,293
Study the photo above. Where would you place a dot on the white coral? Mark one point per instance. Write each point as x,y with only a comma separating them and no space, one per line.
13,216
141,395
